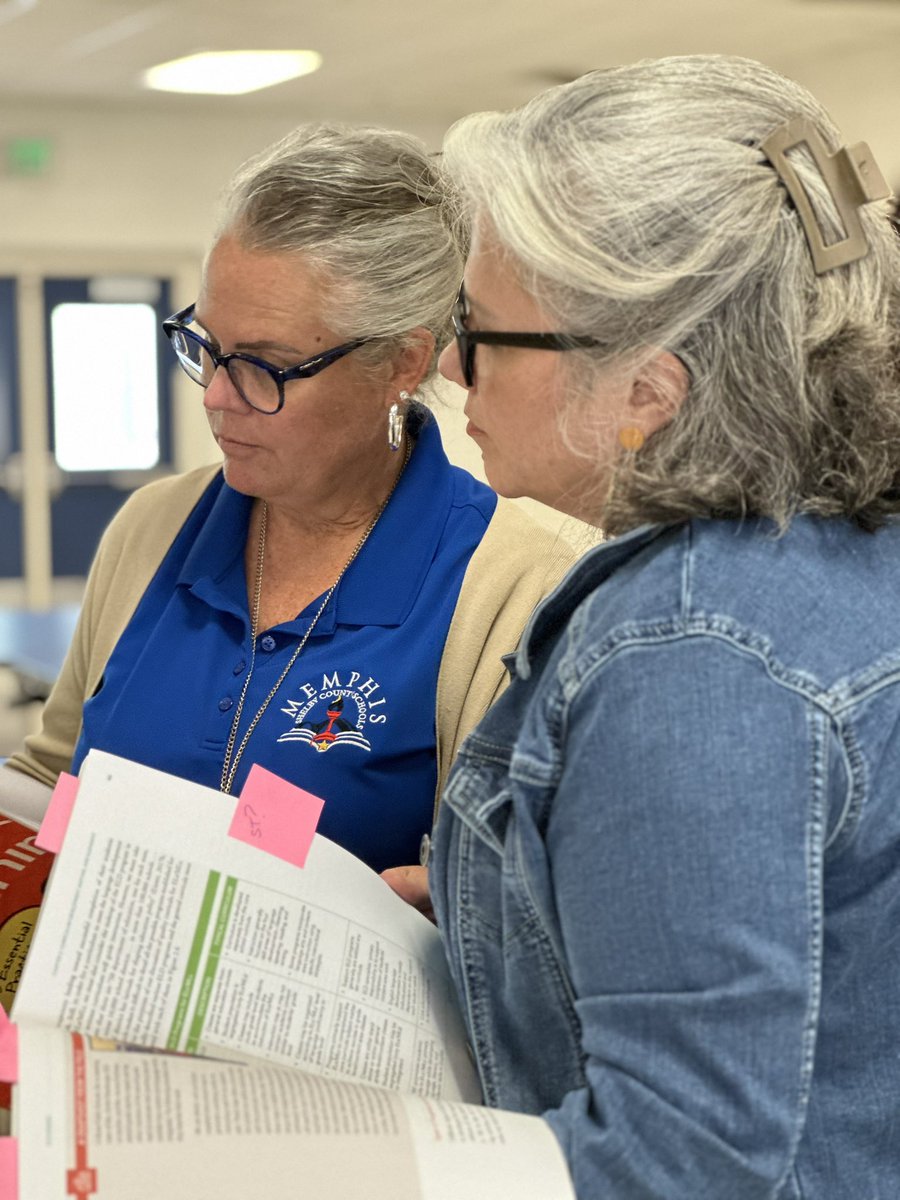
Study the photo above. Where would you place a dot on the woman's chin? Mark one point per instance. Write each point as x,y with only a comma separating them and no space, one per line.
239,478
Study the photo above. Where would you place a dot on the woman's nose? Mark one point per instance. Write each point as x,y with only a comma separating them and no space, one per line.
221,392
449,364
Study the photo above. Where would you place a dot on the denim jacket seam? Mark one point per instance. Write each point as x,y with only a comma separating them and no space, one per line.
484,1058
527,768
834,700
578,667
851,813
687,571
477,746
549,927
846,698
519,767
818,729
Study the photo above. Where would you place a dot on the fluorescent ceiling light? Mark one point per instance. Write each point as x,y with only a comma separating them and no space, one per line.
231,72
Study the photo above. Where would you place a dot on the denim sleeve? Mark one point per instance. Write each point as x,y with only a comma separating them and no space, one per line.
685,842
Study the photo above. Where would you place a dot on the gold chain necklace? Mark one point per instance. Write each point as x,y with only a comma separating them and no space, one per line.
230,764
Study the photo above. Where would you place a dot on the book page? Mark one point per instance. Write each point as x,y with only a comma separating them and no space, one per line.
100,1121
160,929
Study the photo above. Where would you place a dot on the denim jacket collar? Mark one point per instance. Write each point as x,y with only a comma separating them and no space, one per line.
588,573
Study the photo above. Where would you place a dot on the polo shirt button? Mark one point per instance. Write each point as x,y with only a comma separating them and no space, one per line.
225,703
267,643
238,667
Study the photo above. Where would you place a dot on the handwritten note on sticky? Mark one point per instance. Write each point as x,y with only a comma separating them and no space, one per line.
56,819
276,816
9,1049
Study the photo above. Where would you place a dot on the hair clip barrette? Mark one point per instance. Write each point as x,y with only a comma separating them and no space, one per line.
851,176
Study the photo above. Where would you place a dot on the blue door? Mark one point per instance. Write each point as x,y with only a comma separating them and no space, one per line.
108,389
11,565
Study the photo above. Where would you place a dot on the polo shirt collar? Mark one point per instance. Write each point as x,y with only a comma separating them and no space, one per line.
382,583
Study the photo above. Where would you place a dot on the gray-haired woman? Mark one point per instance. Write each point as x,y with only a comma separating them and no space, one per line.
333,601
667,867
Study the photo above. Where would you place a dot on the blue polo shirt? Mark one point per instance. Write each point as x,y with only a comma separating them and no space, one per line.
354,720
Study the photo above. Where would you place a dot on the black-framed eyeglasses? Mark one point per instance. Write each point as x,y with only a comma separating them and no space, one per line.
257,382
467,340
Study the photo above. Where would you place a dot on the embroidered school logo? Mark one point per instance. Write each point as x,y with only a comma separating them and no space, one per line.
335,714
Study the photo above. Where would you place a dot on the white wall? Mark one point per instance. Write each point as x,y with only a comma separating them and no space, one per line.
123,178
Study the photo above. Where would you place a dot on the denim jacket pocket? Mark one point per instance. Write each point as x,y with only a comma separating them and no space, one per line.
475,791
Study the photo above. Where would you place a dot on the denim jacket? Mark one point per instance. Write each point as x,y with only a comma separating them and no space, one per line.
667,868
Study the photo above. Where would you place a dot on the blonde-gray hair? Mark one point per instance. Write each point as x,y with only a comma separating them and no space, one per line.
638,208
363,208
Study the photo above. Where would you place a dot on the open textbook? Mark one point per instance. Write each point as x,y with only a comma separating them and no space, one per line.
314,1045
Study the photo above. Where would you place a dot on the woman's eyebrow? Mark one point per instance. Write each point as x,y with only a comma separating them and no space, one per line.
279,346
251,346
198,320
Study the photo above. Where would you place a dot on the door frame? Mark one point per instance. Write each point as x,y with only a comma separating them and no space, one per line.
29,267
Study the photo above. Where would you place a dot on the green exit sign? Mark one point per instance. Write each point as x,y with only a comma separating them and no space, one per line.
28,155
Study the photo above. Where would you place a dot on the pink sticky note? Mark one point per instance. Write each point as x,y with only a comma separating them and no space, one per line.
276,816
56,819
9,1167
9,1051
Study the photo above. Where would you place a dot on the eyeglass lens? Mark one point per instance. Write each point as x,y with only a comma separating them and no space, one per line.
465,347
254,384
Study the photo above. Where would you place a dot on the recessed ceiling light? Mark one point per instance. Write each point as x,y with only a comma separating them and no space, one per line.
231,72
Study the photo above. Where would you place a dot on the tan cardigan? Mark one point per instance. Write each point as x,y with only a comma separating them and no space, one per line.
516,563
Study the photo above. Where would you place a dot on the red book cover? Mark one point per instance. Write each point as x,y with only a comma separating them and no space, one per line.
23,875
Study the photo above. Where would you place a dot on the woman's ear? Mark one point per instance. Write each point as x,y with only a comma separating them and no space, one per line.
412,363
658,391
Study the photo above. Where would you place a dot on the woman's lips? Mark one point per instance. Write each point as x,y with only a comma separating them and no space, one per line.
230,446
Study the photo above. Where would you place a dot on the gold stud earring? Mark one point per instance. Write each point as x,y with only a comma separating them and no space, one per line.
631,438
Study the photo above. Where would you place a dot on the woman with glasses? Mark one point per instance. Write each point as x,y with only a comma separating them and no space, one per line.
331,601
667,865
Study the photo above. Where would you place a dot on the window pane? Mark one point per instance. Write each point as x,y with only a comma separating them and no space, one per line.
105,393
